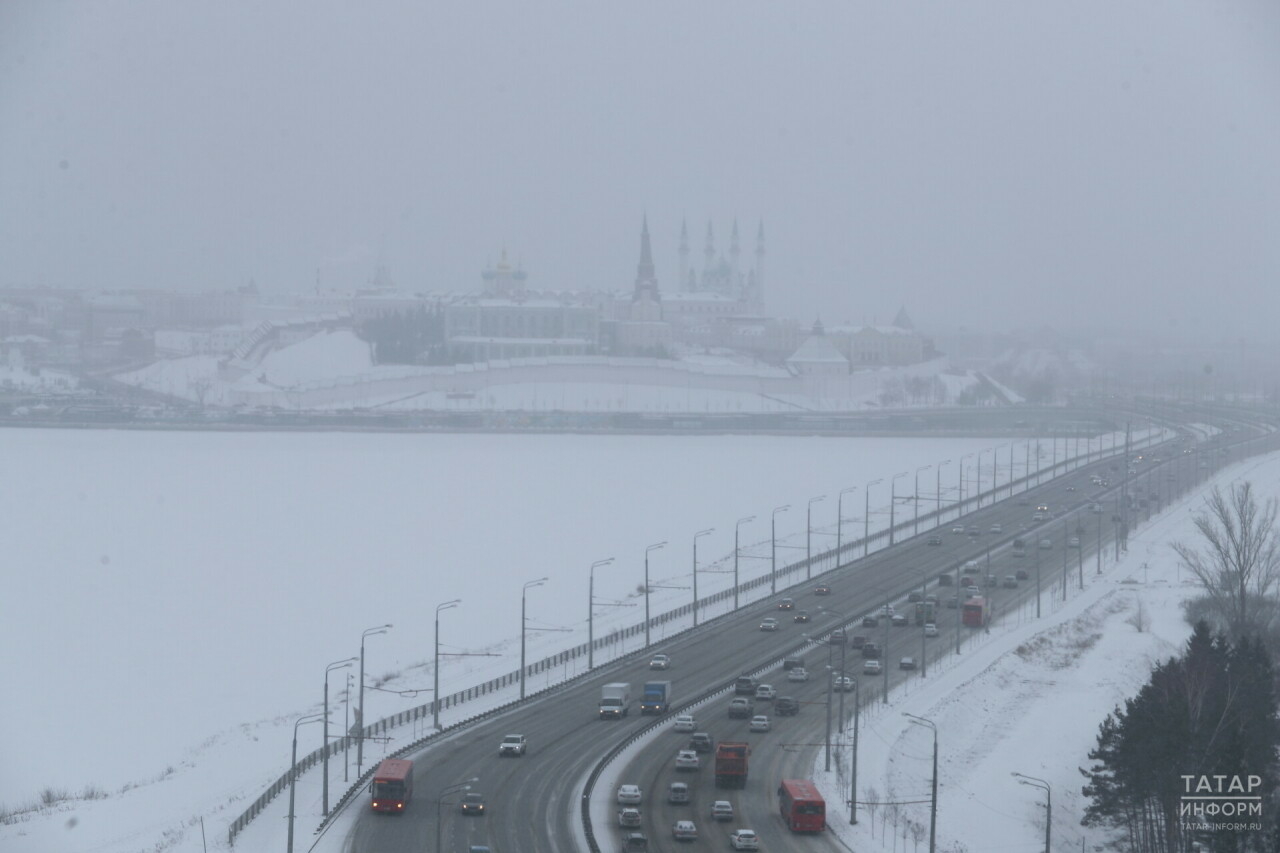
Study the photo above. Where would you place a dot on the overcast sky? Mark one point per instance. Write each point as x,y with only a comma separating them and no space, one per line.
990,164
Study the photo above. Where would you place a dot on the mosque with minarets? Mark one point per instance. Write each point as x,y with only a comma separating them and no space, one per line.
717,303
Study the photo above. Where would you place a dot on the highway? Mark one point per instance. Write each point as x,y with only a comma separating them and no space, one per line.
534,801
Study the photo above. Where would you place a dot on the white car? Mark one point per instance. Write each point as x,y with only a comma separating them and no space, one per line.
513,745
684,830
629,795
687,759
841,683
759,723
797,673
660,662
887,610
1073,542
685,723
766,691
722,810
871,667
995,528
930,629
744,839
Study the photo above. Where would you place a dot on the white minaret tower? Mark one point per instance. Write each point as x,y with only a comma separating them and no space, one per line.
684,256
759,295
709,258
734,251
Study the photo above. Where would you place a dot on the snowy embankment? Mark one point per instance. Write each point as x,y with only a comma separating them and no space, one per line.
1027,698
333,370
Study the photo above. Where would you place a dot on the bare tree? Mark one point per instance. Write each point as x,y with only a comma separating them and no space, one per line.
1239,562
1140,618
871,802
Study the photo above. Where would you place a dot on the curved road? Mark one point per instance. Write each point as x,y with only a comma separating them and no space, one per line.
534,800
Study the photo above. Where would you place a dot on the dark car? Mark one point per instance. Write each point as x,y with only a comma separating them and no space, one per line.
473,803
790,662
858,641
870,650
702,742
822,589
1023,574
946,580
837,637
870,621
907,663
935,540
786,706
899,620
745,686
913,597
801,616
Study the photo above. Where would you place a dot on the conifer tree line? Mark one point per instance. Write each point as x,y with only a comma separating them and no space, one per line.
1210,712
1206,723
407,337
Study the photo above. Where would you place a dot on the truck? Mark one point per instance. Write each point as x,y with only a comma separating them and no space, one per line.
926,611
656,697
615,700
731,764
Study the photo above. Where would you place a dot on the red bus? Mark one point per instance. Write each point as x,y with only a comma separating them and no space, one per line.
801,805
975,612
392,785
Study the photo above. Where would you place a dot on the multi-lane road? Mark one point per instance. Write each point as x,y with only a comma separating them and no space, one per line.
535,801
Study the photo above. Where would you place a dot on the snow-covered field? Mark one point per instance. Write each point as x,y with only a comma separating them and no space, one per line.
340,363
176,597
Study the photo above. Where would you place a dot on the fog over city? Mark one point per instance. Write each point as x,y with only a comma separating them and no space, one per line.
995,165
801,371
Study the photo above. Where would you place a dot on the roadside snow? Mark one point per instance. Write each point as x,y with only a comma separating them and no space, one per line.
1028,698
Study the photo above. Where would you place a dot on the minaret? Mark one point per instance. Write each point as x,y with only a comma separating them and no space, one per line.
734,252
759,294
684,256
646,279
709,258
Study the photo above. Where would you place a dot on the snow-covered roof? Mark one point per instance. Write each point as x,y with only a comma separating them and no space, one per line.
817,349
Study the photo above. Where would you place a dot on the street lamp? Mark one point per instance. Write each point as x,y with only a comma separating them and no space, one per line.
381,629
893,500
293,766
695,571
933,797
340,664
938,491
960,508
1048,802
447,792
736,527
840,521
591,611
915,502
773,548
435,687
808,538
853,768
523,623
654,547
866,517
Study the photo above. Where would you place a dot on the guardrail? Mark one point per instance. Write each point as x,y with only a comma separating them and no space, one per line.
821,563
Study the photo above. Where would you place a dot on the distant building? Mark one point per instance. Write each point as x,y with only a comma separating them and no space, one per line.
507,320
